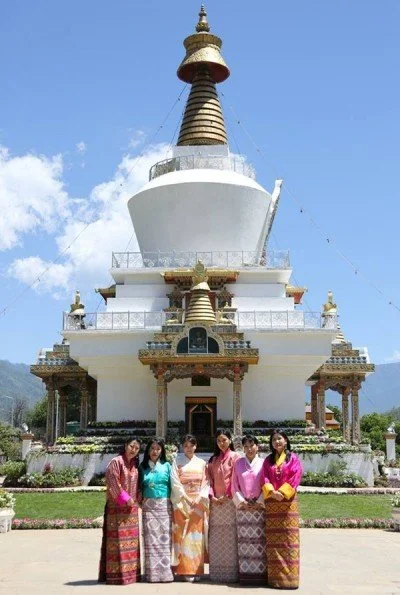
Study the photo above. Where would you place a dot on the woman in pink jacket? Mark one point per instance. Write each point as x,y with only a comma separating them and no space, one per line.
222,533
280,478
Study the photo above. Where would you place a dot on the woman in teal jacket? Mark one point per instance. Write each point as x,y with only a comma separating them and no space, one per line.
155,485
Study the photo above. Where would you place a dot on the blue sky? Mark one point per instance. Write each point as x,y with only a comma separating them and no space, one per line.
85,88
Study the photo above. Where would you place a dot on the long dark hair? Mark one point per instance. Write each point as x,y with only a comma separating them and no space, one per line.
189,438
272,449
127,441
250,438
217,451
146,456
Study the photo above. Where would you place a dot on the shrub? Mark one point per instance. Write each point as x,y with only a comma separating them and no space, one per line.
381,482
12,470
395,501
328,480
7,500
69,476
99,479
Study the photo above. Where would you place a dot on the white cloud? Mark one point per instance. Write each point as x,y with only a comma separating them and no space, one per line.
32,196
85,265
33,270
394,358
81,147
137,137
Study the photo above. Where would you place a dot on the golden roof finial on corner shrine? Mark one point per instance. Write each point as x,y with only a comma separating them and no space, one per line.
330,306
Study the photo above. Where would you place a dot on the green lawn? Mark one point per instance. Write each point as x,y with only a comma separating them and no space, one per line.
91,505
320,506
61,505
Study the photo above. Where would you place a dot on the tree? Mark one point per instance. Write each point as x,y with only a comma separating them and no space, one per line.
9,442
337,413
374,426
36,417
20,411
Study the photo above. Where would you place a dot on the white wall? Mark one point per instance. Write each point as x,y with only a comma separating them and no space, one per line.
96,463
137,304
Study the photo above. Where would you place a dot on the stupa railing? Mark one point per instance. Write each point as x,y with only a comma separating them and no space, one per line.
272,259
268,320
219,162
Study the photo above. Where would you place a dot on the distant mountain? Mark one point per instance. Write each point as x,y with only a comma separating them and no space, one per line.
381,391
17,381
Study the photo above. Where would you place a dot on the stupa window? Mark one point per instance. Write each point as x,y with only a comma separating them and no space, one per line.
198,341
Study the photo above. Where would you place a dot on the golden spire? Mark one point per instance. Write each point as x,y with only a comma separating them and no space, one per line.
200,308
339,339
203,66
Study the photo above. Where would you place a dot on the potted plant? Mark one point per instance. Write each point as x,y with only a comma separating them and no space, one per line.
7,503
395,500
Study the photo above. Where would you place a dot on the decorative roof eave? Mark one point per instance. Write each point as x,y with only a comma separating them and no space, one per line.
186,275
44,371
347,368
231,356
107,292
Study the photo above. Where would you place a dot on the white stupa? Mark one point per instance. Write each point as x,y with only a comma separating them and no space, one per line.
202,323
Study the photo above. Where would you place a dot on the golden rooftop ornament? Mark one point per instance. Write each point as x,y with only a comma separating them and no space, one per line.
200,308
203,66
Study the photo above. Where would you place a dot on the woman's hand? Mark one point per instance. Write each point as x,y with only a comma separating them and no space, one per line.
130,502
277,496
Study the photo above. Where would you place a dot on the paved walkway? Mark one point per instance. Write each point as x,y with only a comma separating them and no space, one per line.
332,561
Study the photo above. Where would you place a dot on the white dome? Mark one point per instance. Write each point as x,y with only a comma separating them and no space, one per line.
200,210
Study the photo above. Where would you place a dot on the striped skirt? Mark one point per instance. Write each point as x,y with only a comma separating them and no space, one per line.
283,544
157,539
222,541
120,560
251,546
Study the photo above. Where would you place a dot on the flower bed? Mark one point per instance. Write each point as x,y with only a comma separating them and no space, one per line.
56,524
347,523
306,524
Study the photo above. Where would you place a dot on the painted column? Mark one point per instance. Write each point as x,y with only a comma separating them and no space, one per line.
62,418
355,416
314,404
237,404
162,406
51,399
84,408
345,414
320,407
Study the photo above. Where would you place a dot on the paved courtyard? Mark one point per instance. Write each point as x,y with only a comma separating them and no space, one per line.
65,561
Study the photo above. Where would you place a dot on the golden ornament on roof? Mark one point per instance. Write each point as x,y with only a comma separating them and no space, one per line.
203,67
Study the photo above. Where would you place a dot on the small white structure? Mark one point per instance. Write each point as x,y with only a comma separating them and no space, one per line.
6,517
390,437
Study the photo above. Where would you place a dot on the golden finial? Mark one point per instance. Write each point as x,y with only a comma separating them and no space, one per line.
199,275
202,25
203,49
200,308
77,305
203,67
